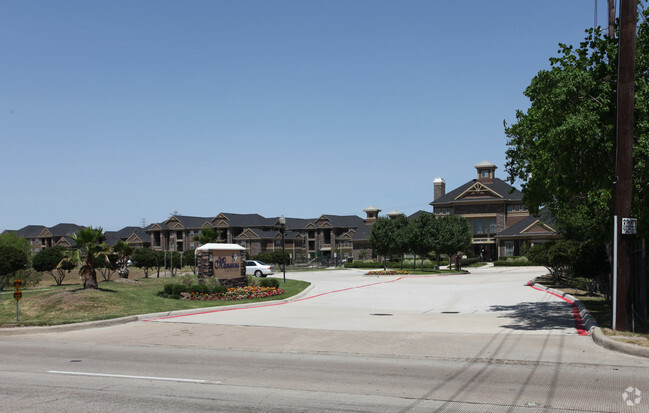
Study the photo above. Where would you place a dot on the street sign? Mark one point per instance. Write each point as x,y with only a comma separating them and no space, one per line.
17,284
629,226
18,295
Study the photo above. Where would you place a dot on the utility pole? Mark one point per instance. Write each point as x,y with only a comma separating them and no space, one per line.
624,157
611,18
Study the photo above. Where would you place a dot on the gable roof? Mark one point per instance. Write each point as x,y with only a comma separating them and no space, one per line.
30,231
497,190
530,226
64,230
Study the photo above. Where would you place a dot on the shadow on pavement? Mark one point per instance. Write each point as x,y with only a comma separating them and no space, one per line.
536,316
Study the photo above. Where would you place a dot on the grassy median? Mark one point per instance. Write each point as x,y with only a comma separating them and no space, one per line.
48,304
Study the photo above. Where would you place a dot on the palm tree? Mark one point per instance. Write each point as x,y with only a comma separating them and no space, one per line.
124,250
88,243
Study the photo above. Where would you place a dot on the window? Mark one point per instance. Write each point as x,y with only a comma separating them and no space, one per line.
243,243
509,248
484,173
192,246
346,244
484,226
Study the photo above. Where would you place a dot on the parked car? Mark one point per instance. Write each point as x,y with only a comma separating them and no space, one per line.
258,268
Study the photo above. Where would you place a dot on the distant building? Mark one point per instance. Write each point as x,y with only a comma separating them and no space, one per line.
41,237
500,222
326,237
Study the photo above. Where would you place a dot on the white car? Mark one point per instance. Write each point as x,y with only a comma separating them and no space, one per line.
258,268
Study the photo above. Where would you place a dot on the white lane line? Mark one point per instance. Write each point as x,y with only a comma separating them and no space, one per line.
124,376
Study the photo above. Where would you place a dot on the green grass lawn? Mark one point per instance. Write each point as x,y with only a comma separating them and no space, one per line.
69,303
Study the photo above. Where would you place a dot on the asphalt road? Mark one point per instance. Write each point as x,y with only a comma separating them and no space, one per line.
483,342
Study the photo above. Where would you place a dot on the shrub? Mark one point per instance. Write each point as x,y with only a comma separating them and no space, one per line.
219,289
168,289
176,289
187,280
469,261
212,282
512,262
269,282
199,289
364,264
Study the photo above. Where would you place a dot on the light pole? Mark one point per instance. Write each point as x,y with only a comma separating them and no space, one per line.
282,223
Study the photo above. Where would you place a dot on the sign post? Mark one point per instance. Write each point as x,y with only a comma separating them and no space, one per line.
17,296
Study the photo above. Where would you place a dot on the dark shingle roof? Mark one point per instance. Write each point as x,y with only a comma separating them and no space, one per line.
65,230
362,233
30,231
499,186
247,220
544,216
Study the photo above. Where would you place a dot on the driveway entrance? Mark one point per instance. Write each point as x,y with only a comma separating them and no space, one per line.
489,300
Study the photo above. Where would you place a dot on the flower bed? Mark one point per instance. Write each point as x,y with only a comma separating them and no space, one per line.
241,293
388,272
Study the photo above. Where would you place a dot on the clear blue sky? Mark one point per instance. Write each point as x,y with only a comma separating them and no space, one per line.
115,111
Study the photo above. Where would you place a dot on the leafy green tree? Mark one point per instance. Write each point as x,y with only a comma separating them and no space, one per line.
146,259
562,149
12,260
189,259
12,240
173,262
382,237
124,250
160,262
89,247
401,229
453,235
107,266
272,257
423,235
207,235
52,261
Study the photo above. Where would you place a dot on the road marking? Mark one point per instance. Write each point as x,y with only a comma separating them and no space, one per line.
124,376
579,322
273,304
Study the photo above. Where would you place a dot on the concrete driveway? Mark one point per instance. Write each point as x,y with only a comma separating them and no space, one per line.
488,300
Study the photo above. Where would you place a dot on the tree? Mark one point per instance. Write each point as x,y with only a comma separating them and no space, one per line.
88,248
382,238
453,235
12,260
207,235
107,266
12,240
146,259
173,261
401,229
562,149
189,259
422,235
50,260
160,261
124,250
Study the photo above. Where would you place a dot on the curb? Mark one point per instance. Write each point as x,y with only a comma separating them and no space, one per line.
594,330
14,331
601,339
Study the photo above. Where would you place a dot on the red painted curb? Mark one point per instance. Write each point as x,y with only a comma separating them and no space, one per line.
579,322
